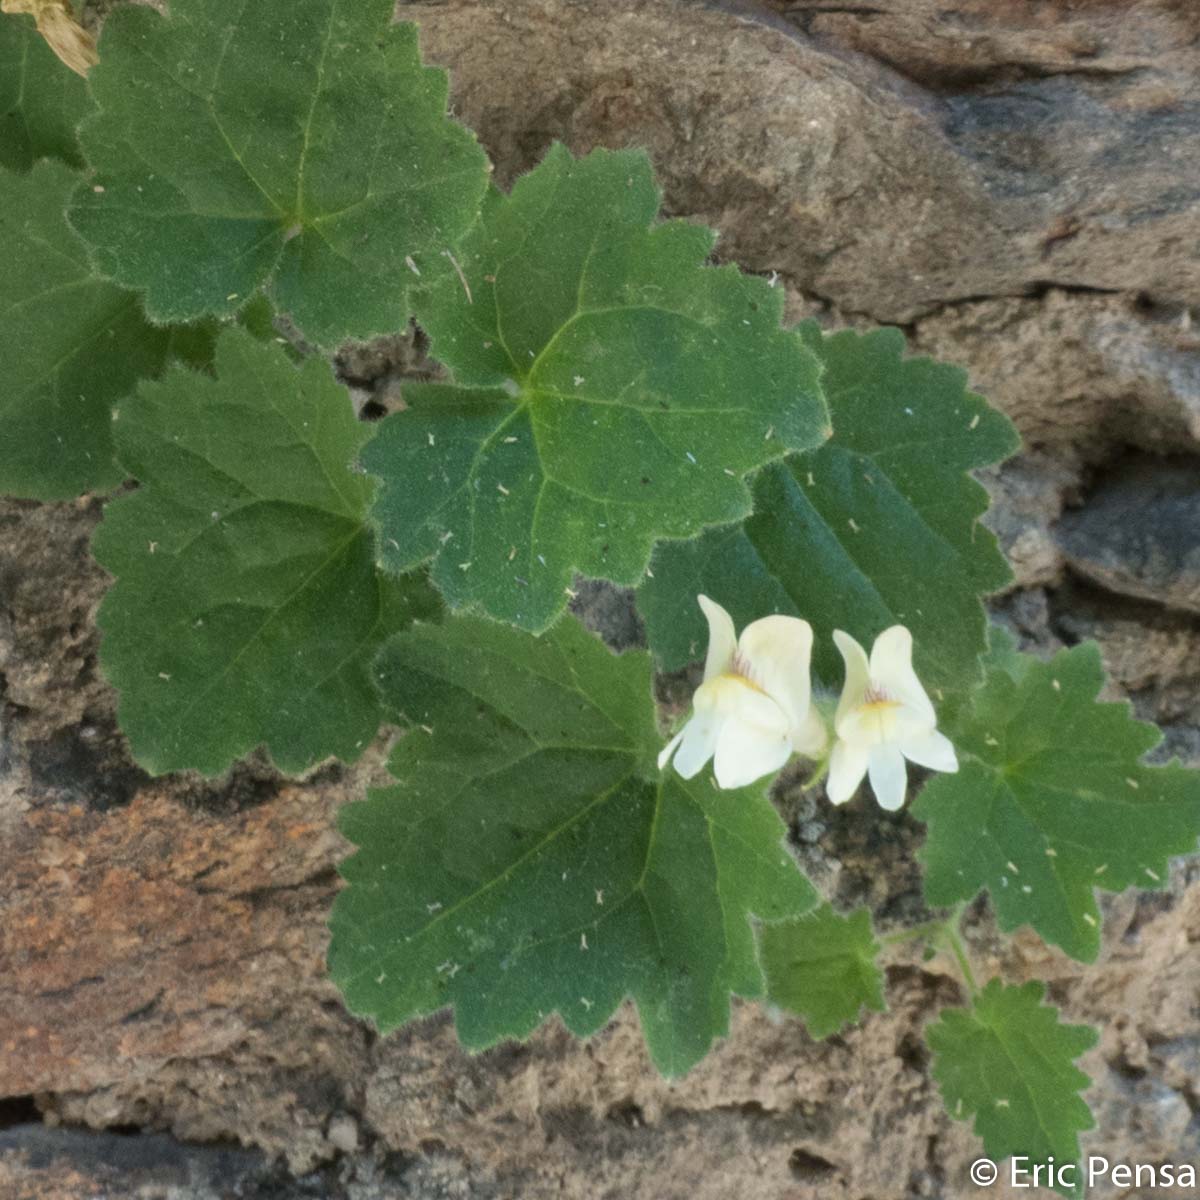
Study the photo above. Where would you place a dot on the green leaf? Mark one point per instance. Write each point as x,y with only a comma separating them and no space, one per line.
1003,655
822,967
1052,801
299,147
41,101
1009,1063
247,607
72,346
611,390
531,859
879,526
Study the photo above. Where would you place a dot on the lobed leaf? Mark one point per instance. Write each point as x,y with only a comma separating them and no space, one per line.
822,967
531,859
300,148
1009,1062
73,345
878,526
41,102
1052,801
610,390
247,607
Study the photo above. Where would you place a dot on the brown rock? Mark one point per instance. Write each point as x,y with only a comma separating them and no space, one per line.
883,197
152,945
1079,374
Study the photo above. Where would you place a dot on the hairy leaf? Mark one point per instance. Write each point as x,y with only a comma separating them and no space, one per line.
877,526
41,102
822,967
247,607
610,390
299,147
1009,1063
531,859
72,346
1052,801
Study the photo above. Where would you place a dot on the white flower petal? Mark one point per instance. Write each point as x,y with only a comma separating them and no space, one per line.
889,776
892,670
747,752
722,639
847,766
934,750
733,696
775,654
812,736
883,721
858,676
698,741
664,756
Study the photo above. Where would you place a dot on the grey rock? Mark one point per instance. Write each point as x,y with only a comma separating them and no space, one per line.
1139,534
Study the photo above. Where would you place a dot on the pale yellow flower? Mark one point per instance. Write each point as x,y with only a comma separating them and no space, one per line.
883,718
754,709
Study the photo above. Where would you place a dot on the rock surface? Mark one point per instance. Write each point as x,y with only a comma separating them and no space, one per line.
1015,183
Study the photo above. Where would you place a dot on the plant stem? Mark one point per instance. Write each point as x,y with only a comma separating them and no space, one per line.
917,931
819,774
960,954
945,932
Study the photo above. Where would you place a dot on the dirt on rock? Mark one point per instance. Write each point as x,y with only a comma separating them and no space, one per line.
1013,182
